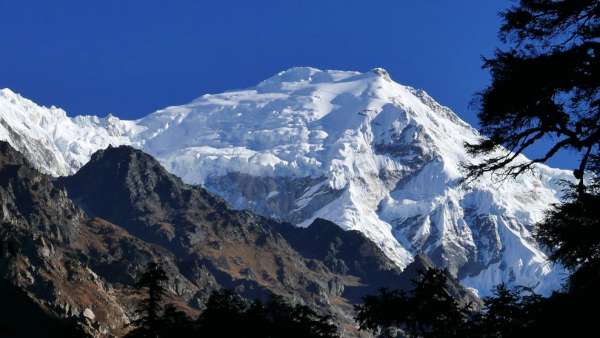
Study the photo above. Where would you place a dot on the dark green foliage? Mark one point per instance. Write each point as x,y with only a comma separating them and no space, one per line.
504,313
175,323
150,310
545,85
285,320
521,313
507,313
229,315
572,231
152,279
225,314
435,313
383,312
170,323
429,310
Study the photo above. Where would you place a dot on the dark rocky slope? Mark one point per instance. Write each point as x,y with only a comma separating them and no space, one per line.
75,246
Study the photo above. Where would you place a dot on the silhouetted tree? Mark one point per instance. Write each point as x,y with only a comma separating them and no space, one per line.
519,312
503,313
379,313
150,309
507,313
544,85
225,314
572,231
229,315
293,321
384,313
429,310
176,323
436,313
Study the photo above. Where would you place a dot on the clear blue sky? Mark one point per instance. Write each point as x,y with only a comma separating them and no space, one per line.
131,57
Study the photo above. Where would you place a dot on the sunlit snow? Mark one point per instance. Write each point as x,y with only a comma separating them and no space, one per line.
391,151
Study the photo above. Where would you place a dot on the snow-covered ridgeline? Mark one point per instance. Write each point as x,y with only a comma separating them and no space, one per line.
355,148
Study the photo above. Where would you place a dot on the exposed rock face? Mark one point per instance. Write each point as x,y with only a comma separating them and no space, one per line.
275,197
358,149
42,237
347,252
76,245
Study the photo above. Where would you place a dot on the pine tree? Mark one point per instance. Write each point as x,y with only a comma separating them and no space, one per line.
176,323
544,86
151,308
227,314
383,313
295,321
435,312
508,313
428,310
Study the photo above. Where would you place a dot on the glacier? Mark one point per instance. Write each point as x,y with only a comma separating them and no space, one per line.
355,148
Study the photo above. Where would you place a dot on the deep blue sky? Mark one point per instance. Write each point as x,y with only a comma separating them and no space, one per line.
133,57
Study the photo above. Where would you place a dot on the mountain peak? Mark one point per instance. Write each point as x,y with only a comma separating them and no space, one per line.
128,167
354,148
128,171
295,76
311,75
11,97
117,155
382,72
6,92
129,187
58,256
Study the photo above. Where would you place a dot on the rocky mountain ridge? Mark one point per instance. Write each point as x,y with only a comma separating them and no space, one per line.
357,149
76,244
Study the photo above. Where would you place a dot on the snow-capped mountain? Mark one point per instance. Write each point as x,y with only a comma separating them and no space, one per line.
355,148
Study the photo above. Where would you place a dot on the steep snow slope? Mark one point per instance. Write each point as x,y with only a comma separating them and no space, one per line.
56,143
355,148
